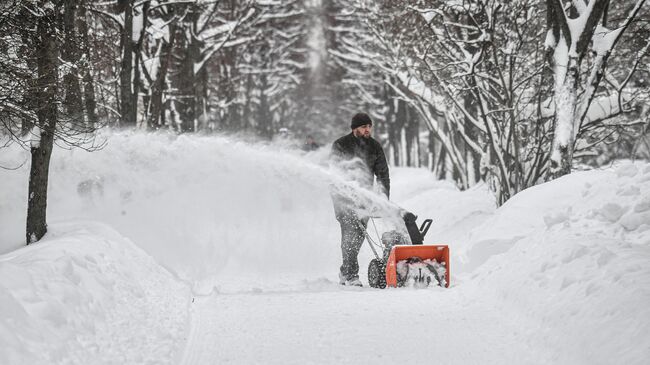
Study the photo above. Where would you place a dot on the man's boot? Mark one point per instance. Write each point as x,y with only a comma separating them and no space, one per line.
349,282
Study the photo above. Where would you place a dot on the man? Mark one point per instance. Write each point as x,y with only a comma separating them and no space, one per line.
362,158
310,144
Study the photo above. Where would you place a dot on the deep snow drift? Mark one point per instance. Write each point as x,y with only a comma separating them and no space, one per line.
86,295
574,254
559,274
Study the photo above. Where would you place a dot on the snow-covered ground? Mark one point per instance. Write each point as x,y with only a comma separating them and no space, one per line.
203,250
86,295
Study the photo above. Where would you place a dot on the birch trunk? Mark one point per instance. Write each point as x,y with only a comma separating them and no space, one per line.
565,97
566,47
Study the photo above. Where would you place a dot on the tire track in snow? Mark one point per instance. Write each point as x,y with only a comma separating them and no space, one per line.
190,354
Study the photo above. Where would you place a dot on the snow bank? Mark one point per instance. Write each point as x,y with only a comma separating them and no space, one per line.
573,255
569,256
86,295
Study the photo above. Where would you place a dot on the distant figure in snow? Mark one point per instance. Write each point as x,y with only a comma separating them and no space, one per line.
310,144
91,190
362,158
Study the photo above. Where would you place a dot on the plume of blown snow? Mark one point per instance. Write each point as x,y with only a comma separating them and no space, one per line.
204,207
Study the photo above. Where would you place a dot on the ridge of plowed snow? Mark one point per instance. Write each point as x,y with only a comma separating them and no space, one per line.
573,254
85,295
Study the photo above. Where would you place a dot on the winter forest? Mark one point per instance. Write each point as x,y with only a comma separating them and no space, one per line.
508,92
468,98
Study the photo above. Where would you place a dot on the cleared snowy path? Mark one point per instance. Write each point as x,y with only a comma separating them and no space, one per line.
321,323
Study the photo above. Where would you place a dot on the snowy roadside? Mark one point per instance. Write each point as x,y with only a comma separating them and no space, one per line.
573,255
86,295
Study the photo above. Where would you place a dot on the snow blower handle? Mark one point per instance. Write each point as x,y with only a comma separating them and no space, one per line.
412,228
424,228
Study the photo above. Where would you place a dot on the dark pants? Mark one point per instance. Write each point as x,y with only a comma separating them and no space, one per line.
353,231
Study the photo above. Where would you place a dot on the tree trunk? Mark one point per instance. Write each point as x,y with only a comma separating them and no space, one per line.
400,138
412,130
126,73
157,89
566,47
390,125
431,151
245,122
264,120
47,117
201,98
70,53
565,97
235,112
90,103
137,48
27,51
473,158
185,101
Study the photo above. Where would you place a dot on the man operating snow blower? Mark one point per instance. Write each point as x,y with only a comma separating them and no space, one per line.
361,158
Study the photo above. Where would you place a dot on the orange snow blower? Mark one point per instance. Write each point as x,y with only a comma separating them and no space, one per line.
404,264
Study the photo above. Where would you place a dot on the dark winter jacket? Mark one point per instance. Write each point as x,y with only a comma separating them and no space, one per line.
362,159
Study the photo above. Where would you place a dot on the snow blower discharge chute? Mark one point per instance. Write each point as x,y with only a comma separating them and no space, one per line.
404,264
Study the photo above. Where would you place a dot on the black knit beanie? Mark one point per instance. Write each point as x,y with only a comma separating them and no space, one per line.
360,119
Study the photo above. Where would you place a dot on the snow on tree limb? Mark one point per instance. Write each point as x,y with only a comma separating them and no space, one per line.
227,30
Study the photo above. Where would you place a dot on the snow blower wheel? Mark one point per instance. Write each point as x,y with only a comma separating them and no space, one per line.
377,274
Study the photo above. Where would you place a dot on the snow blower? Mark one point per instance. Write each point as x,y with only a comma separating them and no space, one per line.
404,263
